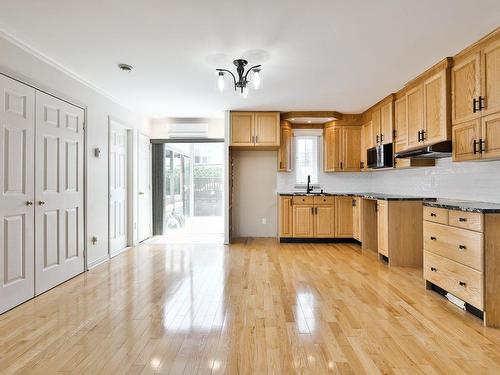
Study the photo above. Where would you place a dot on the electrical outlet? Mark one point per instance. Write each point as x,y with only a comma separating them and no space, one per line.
264,221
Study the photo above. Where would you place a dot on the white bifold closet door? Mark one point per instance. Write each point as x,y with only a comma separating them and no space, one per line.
17,117
117,188
59,202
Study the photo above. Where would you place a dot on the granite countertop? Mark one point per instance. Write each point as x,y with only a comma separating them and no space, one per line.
387,197
470,206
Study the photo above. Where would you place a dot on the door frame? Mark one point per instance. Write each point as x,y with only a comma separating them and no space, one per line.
141,134
131,187
70,100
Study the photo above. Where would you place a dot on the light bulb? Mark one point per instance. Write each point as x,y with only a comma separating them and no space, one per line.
220,82
256,79
245,92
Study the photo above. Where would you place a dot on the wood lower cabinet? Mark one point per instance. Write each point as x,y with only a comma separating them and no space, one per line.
255,130
324,221
383,228
462,256
285,216
356,218
285,150
303,220
343,217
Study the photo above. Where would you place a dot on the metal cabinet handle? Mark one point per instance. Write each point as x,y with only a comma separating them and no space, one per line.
433,214
474,108
462,247
462,219
29,203
462,283
433,269
41,203
381,138
481,103
482,145
433,238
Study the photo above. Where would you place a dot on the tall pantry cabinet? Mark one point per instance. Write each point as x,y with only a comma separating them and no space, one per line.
41,192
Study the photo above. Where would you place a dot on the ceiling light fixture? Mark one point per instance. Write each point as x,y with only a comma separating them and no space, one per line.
242,84
125,67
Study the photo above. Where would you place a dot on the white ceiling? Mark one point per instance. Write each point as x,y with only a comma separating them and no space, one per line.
316,55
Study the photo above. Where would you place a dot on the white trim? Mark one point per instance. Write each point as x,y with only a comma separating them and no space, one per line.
57,65
97,262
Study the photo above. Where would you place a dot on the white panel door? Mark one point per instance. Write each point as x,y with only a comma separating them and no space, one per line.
144,188
117,188
59,149
17,124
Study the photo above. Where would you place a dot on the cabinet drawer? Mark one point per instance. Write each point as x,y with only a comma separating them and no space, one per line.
324,200
436,215
461,245
462,281
467,220
302,200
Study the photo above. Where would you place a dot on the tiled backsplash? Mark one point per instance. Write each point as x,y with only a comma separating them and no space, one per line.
478,181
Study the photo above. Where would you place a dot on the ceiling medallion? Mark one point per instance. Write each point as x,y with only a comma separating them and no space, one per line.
242,84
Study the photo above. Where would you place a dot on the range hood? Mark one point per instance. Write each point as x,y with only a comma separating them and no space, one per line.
435,151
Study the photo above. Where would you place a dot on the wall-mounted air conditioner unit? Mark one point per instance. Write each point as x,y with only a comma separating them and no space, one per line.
188,130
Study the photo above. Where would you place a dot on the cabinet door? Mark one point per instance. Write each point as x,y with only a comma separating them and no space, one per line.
491,77
242,128
17,130
386,123
324,221
303,221
356,218
286,216
383,227
490,134
362,150
351,143
343,217
376,121
267,128
369,135
414,115
285,151
464,136
332,149
401,130
435,118
465,87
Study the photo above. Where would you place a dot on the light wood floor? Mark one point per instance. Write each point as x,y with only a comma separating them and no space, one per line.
255,307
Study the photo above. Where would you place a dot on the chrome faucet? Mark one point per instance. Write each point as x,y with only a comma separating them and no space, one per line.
309,187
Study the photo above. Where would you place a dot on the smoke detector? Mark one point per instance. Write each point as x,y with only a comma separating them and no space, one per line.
125,67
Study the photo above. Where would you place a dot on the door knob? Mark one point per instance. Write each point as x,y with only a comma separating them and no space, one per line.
29,203
41,203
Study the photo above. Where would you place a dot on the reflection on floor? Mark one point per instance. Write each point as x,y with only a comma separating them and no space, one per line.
197,229
254,307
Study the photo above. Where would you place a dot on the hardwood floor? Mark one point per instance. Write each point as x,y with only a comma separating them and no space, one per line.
255,307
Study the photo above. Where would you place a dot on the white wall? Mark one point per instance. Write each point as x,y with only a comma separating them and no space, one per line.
254,193
159,127
20,60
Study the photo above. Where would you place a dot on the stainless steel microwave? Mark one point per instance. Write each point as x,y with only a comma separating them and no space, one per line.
380,156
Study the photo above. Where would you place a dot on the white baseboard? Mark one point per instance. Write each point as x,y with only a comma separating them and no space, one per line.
97,262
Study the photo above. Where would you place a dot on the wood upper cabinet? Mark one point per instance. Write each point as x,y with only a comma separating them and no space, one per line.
343,217
465,88
331,149
369,135
383,227
324,221
255,129
414,115
436,127
303,220
465,141
242,128
491,77
285,150
400,127
386,123
342,146
350,160
490,136
285,216
376,121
